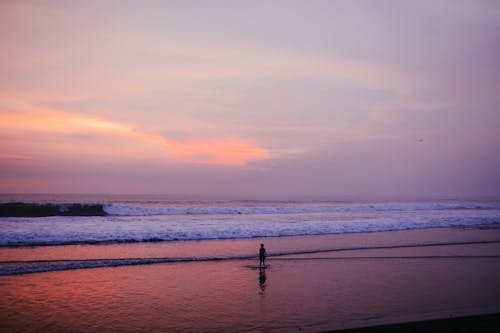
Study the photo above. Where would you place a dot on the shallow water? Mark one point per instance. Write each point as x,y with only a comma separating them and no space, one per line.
49,258
312,293
234,297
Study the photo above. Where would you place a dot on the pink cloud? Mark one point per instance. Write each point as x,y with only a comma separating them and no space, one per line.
51,133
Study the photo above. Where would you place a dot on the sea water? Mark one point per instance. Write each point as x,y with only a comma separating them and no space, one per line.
164,220
182,265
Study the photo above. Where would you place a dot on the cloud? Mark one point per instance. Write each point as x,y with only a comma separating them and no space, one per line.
56,134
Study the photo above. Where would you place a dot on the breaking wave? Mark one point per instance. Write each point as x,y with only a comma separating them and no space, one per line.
51,223
130,210
22,209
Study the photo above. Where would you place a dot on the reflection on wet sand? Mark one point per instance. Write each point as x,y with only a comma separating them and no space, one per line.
316,291
262,279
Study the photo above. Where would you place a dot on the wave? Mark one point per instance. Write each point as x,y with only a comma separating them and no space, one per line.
85,242
23,209
59,231
194,233
131,210
38,266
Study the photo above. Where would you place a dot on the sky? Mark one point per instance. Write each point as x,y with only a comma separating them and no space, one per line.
251,98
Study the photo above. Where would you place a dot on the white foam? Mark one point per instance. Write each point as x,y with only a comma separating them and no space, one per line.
307,220
301,208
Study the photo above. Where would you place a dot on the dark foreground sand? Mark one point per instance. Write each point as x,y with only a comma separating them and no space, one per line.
482,323
358,280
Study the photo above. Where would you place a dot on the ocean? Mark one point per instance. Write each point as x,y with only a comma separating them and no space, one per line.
162,264
122,219
129,219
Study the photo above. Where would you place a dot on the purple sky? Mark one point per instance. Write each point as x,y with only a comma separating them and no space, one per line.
260,98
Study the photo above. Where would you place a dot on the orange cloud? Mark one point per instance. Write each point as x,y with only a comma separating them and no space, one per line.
113,138
59,122
231,151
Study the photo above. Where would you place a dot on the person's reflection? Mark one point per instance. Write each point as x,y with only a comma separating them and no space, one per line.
262,279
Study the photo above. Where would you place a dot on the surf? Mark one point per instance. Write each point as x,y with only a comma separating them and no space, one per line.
20,267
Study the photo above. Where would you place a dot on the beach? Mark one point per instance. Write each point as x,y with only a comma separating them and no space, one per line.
249,166
311,283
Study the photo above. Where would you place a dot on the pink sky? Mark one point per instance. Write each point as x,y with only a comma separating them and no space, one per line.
262,98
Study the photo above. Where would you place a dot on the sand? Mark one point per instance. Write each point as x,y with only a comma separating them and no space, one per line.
328,283
481,323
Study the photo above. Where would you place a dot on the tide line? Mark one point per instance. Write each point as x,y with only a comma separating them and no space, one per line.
37,266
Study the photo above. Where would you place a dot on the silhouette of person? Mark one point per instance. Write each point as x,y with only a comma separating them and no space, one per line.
262,256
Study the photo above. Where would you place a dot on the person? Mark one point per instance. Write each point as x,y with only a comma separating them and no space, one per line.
262,256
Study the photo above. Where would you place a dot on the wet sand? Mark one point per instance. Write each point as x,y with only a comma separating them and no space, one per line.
481,323
324,283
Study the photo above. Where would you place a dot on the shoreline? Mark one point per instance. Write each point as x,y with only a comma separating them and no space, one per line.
316,284
343,242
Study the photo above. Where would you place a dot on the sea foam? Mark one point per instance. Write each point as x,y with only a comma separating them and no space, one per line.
156,222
